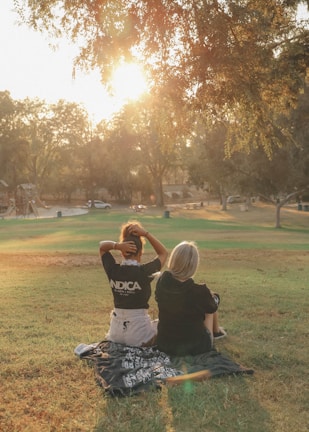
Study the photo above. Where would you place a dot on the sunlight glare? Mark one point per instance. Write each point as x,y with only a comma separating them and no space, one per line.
128,82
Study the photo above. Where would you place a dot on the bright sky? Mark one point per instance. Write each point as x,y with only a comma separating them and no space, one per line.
30,68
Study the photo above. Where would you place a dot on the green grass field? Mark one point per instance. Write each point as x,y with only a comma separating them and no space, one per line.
54,295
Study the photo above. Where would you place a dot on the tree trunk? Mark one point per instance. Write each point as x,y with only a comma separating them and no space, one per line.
158,190
282,203
223,199
278,208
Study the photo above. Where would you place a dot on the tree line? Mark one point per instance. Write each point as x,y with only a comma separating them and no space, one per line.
227,104
55,147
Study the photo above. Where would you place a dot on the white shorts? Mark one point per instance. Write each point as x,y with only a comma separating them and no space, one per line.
131,327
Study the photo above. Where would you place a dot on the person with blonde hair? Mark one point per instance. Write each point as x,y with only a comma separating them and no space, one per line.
130,281
188,318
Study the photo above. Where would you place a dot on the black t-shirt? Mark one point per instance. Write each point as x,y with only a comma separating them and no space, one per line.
130,284
182,308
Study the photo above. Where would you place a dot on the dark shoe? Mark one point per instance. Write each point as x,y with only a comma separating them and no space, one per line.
220,334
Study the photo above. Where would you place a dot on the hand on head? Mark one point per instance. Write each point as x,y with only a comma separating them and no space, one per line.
136,230
129,248
132,232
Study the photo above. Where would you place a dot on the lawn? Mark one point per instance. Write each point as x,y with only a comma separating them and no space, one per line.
54,295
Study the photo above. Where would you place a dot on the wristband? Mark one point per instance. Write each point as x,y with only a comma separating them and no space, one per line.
115,243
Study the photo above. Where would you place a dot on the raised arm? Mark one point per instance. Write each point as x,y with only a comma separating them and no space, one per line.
155,243
124,247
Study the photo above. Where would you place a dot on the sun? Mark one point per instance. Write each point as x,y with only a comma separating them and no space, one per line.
128,82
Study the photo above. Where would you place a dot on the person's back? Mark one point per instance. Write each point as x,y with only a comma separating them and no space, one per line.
182,307
183,304
130,283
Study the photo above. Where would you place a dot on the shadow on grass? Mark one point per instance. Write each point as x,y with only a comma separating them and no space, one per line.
219,404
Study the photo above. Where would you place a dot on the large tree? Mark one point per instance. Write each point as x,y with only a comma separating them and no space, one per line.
241,61
35,136
285,176
161,126
121,159
207,165
278,179
48,129
13,148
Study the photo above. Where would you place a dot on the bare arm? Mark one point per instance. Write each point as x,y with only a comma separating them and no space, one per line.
124,247
155,243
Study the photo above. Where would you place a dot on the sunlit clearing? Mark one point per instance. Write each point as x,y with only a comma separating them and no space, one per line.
128,82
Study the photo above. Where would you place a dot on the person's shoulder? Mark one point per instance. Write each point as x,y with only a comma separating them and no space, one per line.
165,274
107,257
199,286
106,254
155,262
156,259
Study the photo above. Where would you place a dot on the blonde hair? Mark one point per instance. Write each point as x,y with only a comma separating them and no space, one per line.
184,260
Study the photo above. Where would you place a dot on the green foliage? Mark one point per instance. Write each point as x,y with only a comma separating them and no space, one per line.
238,64
244,62
35,142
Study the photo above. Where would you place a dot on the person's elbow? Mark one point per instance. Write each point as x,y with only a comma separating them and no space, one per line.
163,257
102,249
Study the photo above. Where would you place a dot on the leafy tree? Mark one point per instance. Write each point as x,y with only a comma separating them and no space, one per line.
37,140
7,108
286,176
277,179
300,131
91,162
241,62
161,127
65,175
142,185
122,158
13,148
251,64
208,165
49,129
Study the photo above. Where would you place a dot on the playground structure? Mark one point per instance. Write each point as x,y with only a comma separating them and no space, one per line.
25,203
27,199
5,203
11,208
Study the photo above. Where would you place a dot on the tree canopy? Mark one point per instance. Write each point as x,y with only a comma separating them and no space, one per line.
236,68
242,61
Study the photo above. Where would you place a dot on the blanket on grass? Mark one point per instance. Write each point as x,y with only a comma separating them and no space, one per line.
123,370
